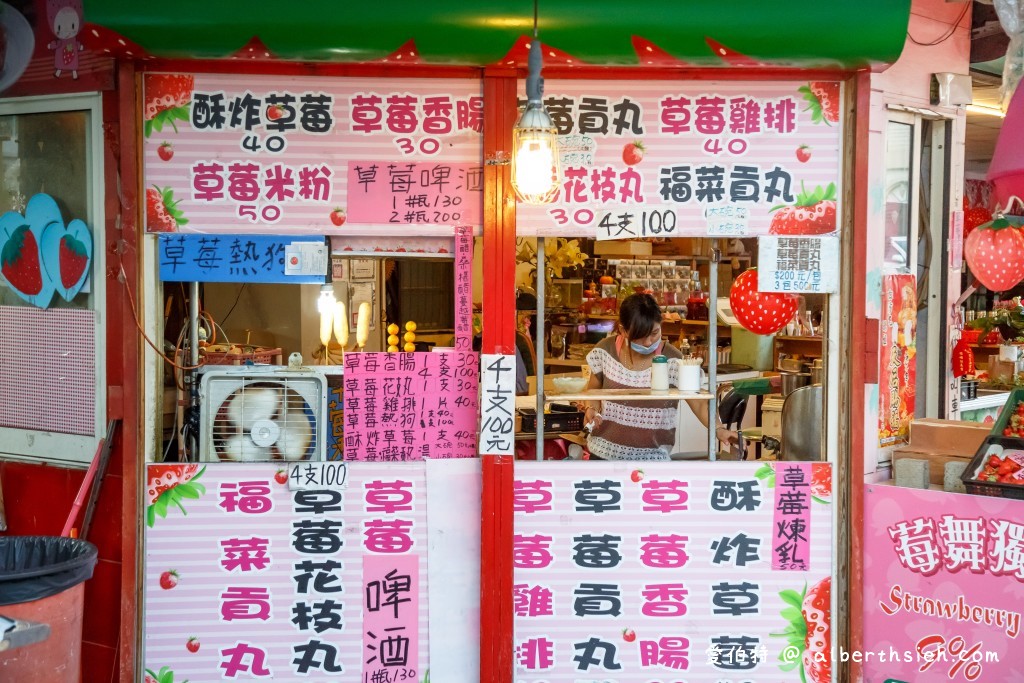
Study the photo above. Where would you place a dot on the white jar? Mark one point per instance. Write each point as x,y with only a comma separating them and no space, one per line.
659,374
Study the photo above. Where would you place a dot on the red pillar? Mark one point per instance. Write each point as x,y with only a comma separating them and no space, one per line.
499,266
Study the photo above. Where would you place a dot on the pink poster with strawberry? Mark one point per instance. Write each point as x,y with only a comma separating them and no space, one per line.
300,155
943,586
675,158
897,370
664,572
248,579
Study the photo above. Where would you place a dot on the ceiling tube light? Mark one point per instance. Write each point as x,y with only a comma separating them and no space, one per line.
535,167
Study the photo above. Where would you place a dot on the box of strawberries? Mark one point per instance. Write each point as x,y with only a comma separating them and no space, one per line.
997,469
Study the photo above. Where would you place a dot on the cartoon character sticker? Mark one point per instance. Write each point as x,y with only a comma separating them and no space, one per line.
65,19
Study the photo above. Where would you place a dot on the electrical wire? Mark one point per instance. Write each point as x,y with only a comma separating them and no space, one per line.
224,320
142,332
947,35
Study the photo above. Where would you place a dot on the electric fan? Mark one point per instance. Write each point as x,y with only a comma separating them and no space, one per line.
259,414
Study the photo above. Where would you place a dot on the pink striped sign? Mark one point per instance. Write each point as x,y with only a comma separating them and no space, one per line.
274,154
791,531
661,158
662,571
261,582
411,193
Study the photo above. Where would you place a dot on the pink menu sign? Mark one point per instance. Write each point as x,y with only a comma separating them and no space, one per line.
246,579
464,289
410,406
943,586
410,193
792,523
650,571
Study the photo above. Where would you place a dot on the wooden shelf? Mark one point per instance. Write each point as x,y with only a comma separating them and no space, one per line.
631,395
798,338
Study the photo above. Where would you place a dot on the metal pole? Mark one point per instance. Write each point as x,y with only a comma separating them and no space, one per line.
193,323
713,349
540,347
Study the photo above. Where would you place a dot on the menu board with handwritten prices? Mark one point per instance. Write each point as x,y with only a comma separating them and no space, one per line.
236,258
410,406
415,193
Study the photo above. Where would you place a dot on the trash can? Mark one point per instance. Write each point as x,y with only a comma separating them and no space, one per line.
41,581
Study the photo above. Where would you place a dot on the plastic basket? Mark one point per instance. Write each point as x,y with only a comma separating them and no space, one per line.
258,356
991,488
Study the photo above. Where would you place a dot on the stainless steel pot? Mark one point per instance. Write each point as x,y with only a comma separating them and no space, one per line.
791,381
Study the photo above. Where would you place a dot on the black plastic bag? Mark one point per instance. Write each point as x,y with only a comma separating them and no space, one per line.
36,567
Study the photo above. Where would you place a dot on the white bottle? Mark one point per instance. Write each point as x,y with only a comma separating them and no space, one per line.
659,374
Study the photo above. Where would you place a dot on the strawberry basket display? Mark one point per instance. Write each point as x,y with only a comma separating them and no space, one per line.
997,469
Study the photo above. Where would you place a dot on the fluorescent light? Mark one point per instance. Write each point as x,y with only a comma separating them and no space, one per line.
988,111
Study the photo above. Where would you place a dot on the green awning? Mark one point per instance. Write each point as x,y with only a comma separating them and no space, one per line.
805,33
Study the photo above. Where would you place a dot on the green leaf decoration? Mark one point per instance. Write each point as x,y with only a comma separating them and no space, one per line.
821,500
167,117
188,490
792,597
787,666
151,516
791,614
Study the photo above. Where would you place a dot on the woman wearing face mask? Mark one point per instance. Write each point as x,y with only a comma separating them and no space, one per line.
635,430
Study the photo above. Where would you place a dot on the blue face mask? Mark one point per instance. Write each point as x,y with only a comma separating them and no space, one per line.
645,350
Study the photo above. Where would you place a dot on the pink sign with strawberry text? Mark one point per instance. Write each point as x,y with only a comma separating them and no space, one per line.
640,572
276,154
943,586
664,159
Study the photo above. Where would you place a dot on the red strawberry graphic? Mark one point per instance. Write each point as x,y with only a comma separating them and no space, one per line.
760,312
633,153
338,217
274,112
281,477
821,481
637,475
19,261
165,151
169,579
162,214
628,635
165,675
995,254
73,260
803,154
170,484
150,678
813,214
809,633
192,645
167,99
822,101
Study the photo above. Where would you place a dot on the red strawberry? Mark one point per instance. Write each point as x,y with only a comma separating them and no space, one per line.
821,480
338,216
281,477
162,214
803,154
19,261
628,635
633,153
760,312
637,475
822,100
975,217
813,214
995,254
167,99
73,261
274,112
192,645
169,579
150,678
165,151
162,478
817,613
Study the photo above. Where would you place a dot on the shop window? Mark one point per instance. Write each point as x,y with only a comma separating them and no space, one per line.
51,359
426,294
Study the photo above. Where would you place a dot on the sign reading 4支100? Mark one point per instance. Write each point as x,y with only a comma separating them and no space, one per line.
676,158
301,155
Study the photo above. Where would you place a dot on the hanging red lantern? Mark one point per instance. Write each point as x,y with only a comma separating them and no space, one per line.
962,359
995,254
974,217
760,312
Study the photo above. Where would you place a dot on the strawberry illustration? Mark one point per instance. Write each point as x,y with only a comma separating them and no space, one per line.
975,216
165,151
165,675
813,214
995,254
150,677
167,99
169,579
809,632
803,154
73,259
822,101
167,484
19,261
338,216
760,312
821,482
192,644
274,112
628,635
633,153
637,475
162,212
281,476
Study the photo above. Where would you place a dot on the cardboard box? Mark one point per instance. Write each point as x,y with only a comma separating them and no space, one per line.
621,248
947,436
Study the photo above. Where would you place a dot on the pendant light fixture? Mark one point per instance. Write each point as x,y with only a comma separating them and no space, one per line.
535,168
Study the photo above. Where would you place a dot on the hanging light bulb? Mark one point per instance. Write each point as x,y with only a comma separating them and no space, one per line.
325,306
535,168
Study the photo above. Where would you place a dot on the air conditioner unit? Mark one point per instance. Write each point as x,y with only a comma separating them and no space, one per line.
254,414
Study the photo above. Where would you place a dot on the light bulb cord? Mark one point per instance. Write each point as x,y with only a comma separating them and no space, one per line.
534,81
